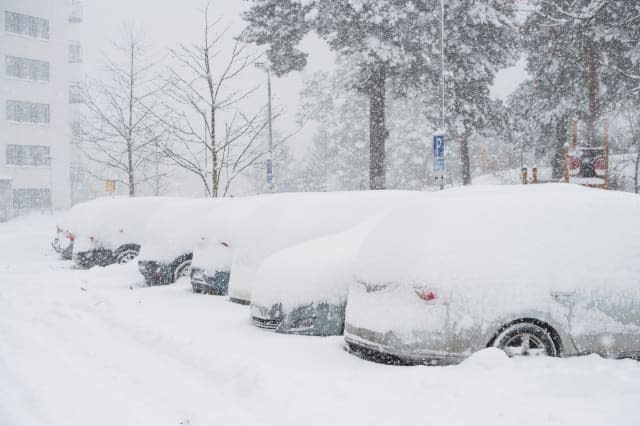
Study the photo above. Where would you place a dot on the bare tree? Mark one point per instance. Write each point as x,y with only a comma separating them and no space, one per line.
121,131
214,138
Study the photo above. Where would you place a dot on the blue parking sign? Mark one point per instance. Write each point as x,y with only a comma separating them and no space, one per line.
269,171
438,152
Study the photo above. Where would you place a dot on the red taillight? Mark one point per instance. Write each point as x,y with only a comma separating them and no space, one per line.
426,294
71,236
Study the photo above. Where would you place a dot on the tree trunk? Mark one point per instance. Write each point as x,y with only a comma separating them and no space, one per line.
377,130
132,187
592,88
635,175
561,136
465,159
213,107
214,156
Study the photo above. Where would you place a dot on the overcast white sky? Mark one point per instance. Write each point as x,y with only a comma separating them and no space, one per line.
169,22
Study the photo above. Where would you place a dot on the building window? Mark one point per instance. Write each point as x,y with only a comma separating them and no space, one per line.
27,112
75,93
75,53
28,155
31,198
28,69
26,25
77,11
77,129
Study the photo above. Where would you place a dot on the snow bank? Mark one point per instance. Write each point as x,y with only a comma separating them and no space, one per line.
90,347
176,228
315,271
490,251
287,219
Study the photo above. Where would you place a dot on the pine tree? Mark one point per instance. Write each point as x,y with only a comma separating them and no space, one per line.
393,44
581,58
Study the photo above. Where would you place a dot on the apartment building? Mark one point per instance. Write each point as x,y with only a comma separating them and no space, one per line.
40,71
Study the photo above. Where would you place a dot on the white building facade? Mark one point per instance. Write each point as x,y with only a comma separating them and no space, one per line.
40,69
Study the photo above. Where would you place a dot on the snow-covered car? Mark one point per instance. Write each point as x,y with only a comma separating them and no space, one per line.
539,269
303,289
65,235
211,267
213,253
170,236
284,220
110,230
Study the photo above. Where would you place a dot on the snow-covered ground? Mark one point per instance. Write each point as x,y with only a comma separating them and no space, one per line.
95,347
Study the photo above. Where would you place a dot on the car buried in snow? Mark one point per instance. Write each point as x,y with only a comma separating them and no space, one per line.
109,230
287,219
213,253
303,289
533,270
169,239
65,235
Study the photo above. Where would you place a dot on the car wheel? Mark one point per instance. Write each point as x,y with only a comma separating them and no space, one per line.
182,270
526,339
126,256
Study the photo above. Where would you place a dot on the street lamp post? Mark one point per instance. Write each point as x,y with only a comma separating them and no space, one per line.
439,136
267,68
442,65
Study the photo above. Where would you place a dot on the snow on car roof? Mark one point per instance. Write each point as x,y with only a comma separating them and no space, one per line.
535,235
175,228
221,225
111,219
319,270
287,219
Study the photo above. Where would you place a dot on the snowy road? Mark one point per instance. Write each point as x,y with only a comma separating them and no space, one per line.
97,348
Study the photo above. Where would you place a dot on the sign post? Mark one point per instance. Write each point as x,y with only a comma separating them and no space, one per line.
438,157
270,174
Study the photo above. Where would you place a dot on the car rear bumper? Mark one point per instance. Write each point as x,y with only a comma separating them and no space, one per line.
388,348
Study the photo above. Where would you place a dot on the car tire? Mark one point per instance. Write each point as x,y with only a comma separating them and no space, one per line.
182,270
126,256
526,339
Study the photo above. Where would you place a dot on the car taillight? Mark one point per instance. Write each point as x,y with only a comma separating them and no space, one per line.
71,236
426,294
